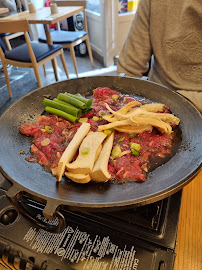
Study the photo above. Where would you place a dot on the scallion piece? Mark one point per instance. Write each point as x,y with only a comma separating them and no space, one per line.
63,114
83,120
48,129
131,135
102,113
85,151
135,146
95,118
65,103
116,152
115,97
77,103
134,152
121,139
107,131
88,102
62,107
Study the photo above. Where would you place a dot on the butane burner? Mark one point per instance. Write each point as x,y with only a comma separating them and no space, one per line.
141,238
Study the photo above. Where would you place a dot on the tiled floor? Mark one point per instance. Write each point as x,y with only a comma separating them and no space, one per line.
23,80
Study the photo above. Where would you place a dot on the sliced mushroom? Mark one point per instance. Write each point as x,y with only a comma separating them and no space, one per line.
98,152
100,170
71,149
87,153
162,126
78,178
134,129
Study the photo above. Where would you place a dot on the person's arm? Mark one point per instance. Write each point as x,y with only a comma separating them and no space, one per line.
10,4
136,52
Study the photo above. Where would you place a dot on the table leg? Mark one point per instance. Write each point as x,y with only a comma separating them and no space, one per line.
48,35
49,41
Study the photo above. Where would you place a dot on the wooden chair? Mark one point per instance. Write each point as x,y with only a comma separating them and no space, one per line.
30,54
69,39
6,37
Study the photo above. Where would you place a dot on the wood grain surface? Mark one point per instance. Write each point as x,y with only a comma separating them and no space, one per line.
189,237
43,15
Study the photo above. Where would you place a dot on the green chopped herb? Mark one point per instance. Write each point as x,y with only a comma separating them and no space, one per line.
116,152
102,113
85,151
107,131
47,129
135,146
115,97
95,118
131,135
83,120
134,152
121,139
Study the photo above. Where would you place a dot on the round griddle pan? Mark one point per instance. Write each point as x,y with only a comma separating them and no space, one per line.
32,179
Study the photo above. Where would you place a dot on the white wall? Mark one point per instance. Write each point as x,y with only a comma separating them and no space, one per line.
105,43
96,34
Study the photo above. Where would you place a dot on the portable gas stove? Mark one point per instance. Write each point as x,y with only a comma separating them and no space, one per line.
142,238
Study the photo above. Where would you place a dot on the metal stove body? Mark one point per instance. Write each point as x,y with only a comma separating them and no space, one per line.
142,238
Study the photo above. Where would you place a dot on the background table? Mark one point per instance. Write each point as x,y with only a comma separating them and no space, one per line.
44,16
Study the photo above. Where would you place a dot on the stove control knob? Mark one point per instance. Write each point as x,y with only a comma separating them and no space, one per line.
8,217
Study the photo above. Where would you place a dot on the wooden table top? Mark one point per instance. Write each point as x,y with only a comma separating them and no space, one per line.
43,15
189,237
4,10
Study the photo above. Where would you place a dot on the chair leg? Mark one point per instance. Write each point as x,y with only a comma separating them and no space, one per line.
64,64
8,45
90,51
7,79
44,69
74,59
36,71
55,68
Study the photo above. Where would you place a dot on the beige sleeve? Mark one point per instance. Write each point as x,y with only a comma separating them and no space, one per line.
194,96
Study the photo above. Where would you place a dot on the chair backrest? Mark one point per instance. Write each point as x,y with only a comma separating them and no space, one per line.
14,26
62,3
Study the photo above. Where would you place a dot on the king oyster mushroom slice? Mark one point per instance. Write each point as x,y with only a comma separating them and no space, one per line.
100,170
87,153
78,178
71,149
